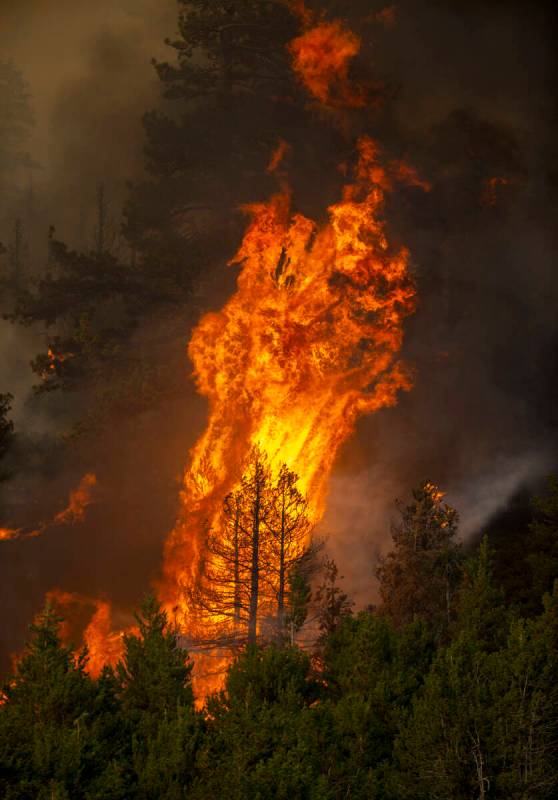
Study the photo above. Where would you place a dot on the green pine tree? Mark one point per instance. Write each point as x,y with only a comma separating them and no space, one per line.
45,738
419,576
155,692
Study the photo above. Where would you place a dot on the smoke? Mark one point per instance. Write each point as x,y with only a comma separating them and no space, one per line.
90,78
474,100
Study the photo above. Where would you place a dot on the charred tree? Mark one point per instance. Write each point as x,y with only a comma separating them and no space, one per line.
230,593
255,486
290,531
259,541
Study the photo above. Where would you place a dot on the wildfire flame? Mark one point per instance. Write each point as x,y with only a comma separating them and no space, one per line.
277,156
104,646
321,59
492,190
80,498
309,342
10,533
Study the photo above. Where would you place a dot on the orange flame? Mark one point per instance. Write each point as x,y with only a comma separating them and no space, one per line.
386,16
277,156
321,58
104,646
10,533
492,190
309,342
80,498
405,173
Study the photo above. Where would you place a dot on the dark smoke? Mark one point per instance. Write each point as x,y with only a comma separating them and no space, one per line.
475,99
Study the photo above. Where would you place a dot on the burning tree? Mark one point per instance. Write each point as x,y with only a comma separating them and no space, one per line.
250,555
289,527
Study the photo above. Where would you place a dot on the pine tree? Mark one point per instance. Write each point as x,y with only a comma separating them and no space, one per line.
45,738
333,604
17,255
299,596
263,535
372,673
419,576
484,725
525,708
480,610
289,529
543,542
261,741
233,580
154,673
156,696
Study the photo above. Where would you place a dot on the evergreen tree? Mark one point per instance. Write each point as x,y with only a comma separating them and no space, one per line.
289,529
262,537
17,255
372,672
156,696
484,724
419,576
333,604
543,542
481,612
299,596
525,708
46,747
155,672
112,732
261,739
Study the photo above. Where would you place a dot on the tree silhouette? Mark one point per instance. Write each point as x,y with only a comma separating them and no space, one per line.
418,577
333,603
262,534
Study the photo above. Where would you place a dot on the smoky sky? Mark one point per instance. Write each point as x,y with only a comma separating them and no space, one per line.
475,99
88,66
90,80
472,97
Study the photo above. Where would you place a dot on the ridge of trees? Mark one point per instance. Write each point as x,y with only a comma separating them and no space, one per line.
386,706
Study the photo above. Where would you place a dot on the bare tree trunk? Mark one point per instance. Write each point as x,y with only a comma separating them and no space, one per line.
478,756
236,565
282,577
255,567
